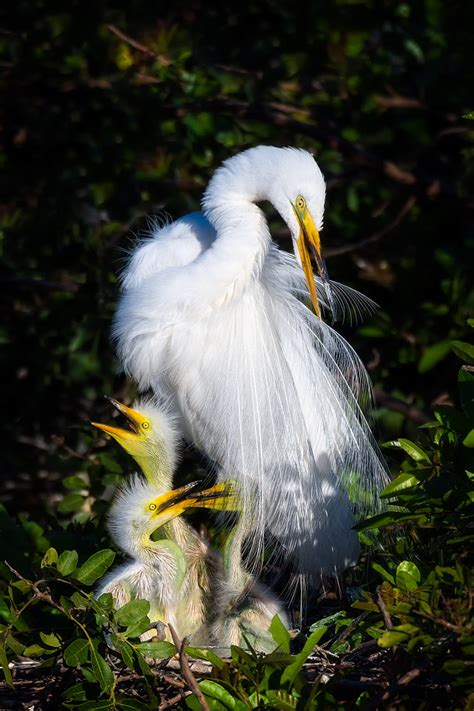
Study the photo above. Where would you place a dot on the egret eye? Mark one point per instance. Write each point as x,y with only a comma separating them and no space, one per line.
145,425
300,202
152,507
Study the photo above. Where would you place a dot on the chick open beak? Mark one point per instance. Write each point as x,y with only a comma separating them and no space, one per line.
221,497
309,243
134,419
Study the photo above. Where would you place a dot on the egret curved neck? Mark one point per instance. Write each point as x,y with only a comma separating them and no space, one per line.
242,235
241,245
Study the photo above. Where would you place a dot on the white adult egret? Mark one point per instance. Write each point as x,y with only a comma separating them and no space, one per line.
176,573
215,318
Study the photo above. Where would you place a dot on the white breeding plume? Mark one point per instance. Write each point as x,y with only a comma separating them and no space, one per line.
217,320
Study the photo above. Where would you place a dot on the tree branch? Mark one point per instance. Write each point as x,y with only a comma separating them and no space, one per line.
383,609
138,45
383,399
186,669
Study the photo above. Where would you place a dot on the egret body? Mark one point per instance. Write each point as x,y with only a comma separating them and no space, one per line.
228,328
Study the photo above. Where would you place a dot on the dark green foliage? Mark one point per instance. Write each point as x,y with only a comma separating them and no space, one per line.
86,633
416,605
115,111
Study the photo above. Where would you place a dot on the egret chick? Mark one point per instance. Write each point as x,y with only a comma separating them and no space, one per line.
245,607
176,572
219,590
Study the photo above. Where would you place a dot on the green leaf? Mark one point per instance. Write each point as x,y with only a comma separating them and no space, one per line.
104,603
213,690
465,351
14,644
127,656
95,566
338,619
433,355
454,666
397,635
384,573
103,673
67,562
292,670
75,693
79,600
192,703
405,480
407,576
70,503
5,611
137,628
132,612
35,650
77,652
51,640
109,462
412,449
6,669
22,585
50,558
365,605
203,653
74,482
468,440
280,634
385,519
156,650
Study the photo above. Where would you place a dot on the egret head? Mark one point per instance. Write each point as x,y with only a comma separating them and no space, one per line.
291,180
298,193
140,509
150,439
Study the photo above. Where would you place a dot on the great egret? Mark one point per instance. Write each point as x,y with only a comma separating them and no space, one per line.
176,573
220,601
216,319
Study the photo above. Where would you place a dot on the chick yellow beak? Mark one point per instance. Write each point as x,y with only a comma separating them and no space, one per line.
222,497
125,437
309,243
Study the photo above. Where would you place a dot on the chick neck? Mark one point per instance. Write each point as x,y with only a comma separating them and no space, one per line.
157,467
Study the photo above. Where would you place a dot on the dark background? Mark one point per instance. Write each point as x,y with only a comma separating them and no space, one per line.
113,112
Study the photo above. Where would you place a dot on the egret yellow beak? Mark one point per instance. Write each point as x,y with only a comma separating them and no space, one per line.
126,438
222,497
310,242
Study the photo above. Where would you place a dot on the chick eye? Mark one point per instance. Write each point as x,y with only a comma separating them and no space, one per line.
300,202
152,507
145,425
